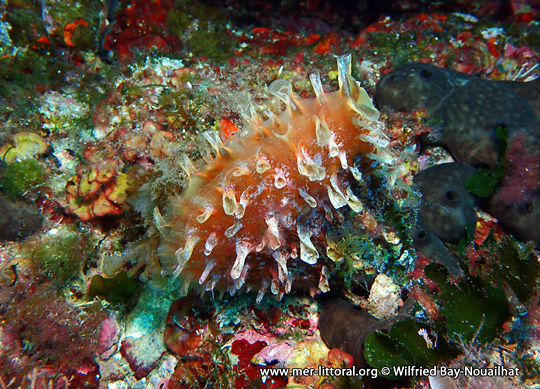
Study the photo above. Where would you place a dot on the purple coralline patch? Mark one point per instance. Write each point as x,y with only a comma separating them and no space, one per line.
278,352
109,336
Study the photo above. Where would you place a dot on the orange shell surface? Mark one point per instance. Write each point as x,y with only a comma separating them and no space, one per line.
254,217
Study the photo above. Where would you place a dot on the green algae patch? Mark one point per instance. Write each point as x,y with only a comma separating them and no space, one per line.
475,310
402,48
407,343
62,258
483,183
20,177
519,267
116,290
202,29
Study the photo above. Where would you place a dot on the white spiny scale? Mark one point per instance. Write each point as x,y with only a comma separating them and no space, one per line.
317,87
184,289
375,158
251,193
354,202
239,282
240,210
288,285
328,214
333,148
368,113
282,265
182,256
249,114
337,198
322,132
366,107
343,159
253,115
344,70
278,124
243,248
186,164
275,119
262,163
210,243
386,154
241,171
260,246
380,140
334,183
229,202
355,89
212,137
274,287
232,230
160,222
310,200
392,177
282,89
208,211
262,291
280,180
273,232
211,284
324,285
208,268
308,252
287,220
357,175
244,201
348,86
308,167
383,156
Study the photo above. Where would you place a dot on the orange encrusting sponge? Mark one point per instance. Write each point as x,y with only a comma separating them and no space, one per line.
255,215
